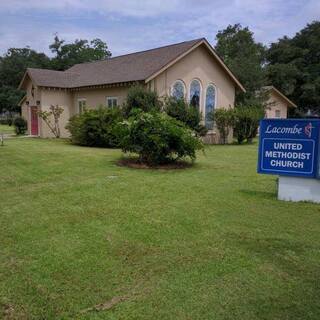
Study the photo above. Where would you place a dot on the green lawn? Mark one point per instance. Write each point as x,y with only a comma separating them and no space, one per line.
209,242
5,129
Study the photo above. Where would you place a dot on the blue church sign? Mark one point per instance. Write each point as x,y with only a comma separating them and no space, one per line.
289,147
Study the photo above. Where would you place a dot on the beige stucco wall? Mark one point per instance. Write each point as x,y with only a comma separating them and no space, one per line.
62,98
275,102
199,64
25,113
96,97
68,100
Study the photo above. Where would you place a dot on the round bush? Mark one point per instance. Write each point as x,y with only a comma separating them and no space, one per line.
157,138
20,125
95,128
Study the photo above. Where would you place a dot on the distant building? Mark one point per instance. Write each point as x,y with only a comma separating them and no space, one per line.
277,104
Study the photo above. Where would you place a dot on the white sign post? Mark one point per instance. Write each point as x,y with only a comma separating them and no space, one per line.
299,189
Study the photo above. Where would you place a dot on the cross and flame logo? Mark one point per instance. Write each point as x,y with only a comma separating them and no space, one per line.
308,129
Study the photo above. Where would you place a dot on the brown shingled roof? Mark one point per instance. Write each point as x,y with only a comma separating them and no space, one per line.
130,67
52,78
137,66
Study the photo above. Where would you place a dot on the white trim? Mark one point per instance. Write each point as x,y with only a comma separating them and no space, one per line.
277,111
111,98
29,120
80,100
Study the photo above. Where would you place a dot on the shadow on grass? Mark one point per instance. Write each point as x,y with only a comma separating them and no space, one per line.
135,163
266,195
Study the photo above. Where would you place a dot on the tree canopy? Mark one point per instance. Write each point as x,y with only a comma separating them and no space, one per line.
244,56
69,54
294,67
12,67
15,61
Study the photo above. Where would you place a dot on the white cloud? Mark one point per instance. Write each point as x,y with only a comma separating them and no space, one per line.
138,8
129,25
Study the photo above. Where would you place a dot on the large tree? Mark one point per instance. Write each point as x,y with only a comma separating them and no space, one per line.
68,54
12,67
294,67
244,56
15,61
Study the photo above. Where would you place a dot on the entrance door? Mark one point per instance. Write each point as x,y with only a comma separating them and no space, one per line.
34,121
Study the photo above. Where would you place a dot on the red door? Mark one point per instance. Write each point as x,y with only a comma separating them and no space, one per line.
34,121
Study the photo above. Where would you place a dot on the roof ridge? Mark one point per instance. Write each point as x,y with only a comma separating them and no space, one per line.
142,51
44,69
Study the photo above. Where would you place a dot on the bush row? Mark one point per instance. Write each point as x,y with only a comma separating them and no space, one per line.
244,120
158,131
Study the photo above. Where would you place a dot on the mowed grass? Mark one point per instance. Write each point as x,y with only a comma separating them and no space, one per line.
208,242
5,129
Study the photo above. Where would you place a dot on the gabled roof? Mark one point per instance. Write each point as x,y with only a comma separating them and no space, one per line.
138,66
275,90
50,78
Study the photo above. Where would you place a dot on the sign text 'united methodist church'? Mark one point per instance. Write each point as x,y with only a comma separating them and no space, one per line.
289,147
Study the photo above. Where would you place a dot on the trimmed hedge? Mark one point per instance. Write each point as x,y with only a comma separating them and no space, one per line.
95,128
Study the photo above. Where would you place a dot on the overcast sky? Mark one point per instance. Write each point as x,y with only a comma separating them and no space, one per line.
132,25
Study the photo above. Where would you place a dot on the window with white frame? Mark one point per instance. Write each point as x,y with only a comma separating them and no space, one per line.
210,105
112,102
277,113
178,90
195,89
82,103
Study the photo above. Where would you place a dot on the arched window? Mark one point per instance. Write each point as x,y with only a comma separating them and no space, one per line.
178,90
195,89
210,105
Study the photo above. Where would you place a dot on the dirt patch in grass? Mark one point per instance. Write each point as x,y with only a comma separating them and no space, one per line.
135,163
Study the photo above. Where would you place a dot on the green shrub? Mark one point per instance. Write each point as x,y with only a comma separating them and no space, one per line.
10,121
7,121
20,125
95,128
188,114
157,138
224,120
141,98
247,122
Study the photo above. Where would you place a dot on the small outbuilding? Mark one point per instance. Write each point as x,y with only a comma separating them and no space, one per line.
277,104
